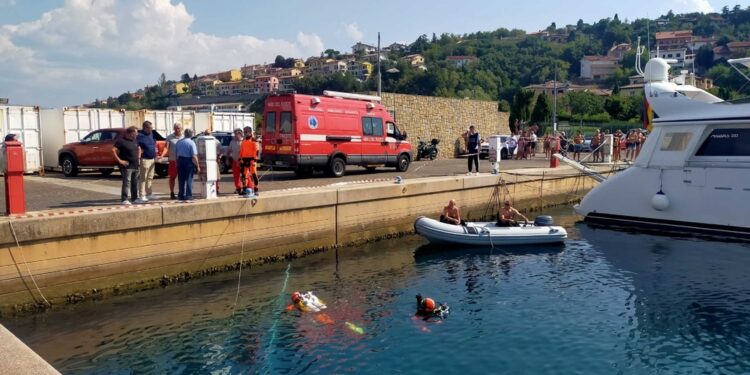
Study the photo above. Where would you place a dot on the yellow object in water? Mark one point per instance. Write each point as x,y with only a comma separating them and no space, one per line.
355,328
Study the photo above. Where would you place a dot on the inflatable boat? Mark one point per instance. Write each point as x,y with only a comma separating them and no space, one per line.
489,234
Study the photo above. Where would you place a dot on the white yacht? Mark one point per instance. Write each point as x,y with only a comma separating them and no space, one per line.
693,171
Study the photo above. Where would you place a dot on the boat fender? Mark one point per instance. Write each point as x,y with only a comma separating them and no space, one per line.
660,201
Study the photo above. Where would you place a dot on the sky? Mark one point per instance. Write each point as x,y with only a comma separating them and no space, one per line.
56,53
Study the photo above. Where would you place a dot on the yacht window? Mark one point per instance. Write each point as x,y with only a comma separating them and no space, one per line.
675,141
726,142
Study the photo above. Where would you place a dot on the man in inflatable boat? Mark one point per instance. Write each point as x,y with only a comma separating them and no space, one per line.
451,214
507,216
427,308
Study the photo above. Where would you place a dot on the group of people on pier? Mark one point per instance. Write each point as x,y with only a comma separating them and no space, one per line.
137,154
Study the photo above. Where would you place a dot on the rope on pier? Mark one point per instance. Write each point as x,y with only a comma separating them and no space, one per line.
20,274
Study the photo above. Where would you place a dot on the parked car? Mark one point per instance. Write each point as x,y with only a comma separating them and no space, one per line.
484,149
585,147
94,151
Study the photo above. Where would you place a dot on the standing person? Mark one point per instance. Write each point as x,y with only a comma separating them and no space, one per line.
616,145
473,148
641,138
521,145
512,142
577,146
171,150
630,142
595,145
233,153
147,144
127,153
532,142
187,165
248,155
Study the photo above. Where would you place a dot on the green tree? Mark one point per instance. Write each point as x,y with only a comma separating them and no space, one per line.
185,78
520,109
331,53
542,110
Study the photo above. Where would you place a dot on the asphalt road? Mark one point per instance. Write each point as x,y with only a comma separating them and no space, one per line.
55,191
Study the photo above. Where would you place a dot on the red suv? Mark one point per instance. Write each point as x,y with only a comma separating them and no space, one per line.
94,151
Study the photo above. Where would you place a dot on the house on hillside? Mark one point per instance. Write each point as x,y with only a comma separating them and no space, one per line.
372,58
548,88
363,49
229,75
266,84
619,51
414,60
738,49
397,47
722,52
359,69
598,67
461,61
673,39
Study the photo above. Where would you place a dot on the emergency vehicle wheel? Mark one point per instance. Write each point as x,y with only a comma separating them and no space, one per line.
403,163
337,167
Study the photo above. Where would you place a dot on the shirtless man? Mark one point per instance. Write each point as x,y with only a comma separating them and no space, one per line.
451,214
507,216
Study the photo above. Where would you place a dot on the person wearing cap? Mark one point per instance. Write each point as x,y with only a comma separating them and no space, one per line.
307,302
171,150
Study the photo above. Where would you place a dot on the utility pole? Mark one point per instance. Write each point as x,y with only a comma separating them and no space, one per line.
554,102
380,81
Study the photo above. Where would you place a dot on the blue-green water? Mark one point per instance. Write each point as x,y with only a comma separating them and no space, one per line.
606,302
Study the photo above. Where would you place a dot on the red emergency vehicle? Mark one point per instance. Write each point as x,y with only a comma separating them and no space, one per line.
307,133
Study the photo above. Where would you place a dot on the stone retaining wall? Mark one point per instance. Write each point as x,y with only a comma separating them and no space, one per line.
446,119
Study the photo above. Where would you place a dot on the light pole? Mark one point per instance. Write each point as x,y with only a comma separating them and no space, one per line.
554,102
380,83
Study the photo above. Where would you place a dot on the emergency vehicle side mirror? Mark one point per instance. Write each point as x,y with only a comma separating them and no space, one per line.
404,136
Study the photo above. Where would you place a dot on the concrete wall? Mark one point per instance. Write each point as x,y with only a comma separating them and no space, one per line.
445,118
88,255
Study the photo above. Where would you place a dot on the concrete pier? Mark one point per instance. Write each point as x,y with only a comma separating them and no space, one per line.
68,257
19,359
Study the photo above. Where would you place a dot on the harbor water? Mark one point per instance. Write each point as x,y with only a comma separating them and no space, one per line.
605,302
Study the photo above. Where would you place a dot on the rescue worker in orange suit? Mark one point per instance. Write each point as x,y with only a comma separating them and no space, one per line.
248,158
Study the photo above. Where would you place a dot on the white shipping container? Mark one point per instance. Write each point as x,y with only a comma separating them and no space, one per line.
162,120
24,122
228,121
62,126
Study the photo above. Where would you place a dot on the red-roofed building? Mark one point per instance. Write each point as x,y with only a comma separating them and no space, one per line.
598,67
738,49
461,61
673,39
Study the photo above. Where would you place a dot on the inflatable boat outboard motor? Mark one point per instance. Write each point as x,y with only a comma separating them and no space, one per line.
543,221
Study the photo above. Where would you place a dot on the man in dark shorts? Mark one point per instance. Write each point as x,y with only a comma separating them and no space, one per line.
127,154
472,144
507,216
451,214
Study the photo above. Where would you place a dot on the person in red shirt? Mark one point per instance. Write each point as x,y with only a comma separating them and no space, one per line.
248,157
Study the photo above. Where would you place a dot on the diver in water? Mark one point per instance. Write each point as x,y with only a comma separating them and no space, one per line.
428,308
307,302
